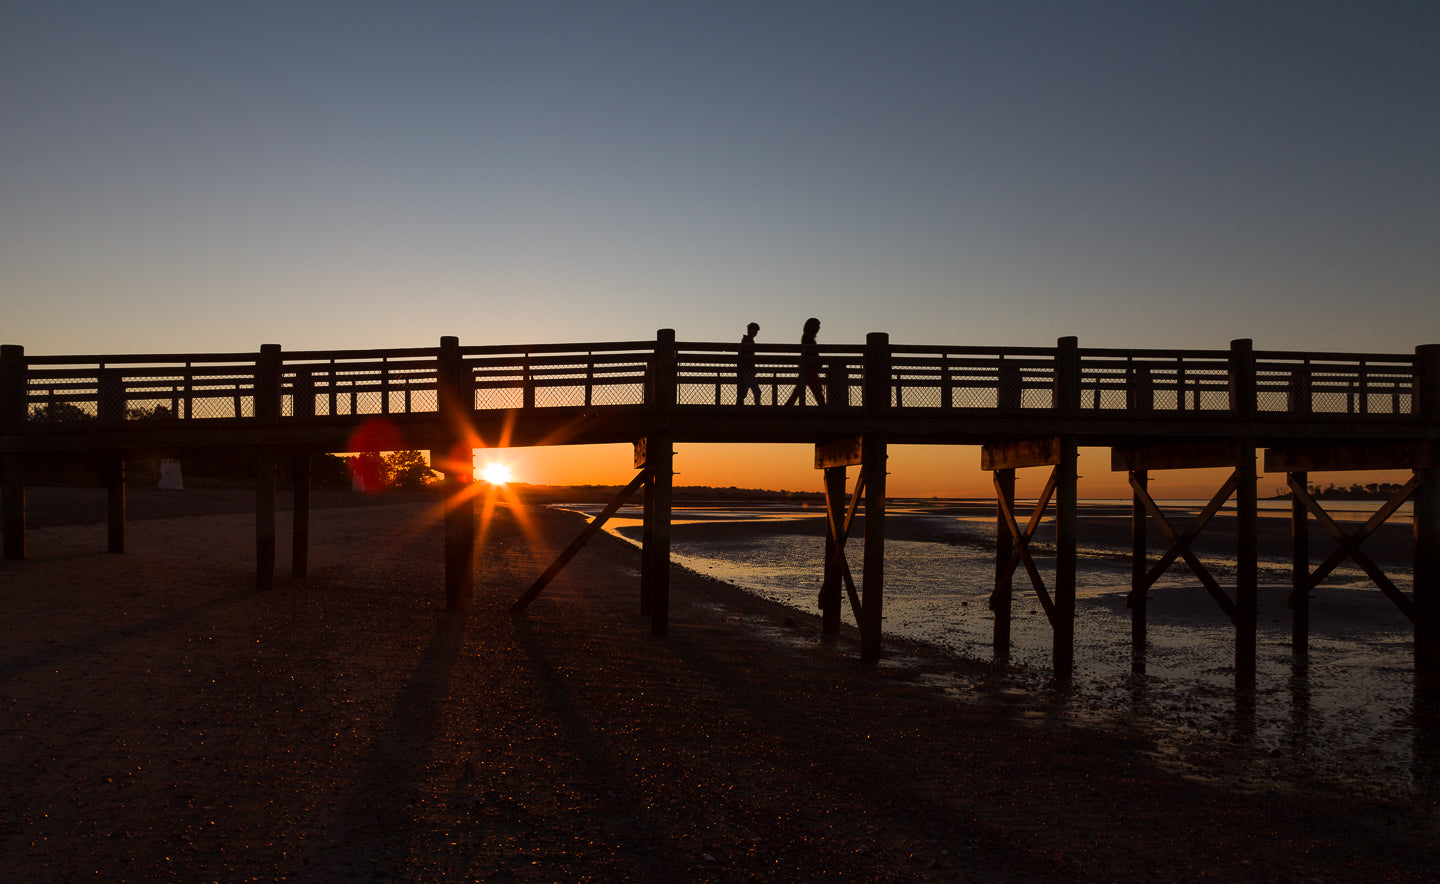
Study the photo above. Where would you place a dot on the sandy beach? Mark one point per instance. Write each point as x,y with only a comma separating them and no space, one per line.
160,718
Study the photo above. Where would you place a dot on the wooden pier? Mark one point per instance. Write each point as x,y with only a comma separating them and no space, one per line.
1027,407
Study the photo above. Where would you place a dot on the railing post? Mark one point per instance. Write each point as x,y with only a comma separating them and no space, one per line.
12,389
1242,378
110,407
302,395
1364,386
267,384
837,384
1426,502
589,379
12,474
189,391
1297,400
1067,376
1007,387
1143,393
947,388
666,369
527,399
877,373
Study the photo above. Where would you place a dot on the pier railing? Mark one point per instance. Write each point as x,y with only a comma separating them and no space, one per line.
46,393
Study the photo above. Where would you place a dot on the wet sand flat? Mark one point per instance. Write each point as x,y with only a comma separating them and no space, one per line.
160,718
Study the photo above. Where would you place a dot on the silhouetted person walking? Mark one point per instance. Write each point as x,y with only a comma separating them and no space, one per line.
745,366
809,366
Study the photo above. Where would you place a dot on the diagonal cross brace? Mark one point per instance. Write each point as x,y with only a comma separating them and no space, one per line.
1180,543
1022,542
841,534
578,543
1350,545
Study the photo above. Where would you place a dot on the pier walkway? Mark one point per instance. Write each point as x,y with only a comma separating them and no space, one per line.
1025,406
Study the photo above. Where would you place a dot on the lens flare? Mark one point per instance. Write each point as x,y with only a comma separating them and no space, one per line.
496,474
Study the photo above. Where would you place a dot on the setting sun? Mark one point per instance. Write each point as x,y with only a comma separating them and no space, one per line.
496,474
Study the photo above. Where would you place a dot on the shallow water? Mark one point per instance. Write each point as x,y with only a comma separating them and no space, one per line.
1349,714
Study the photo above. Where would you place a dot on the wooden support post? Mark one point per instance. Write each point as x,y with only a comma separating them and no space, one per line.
1139,559
114,469
647,545
1067,405
872,601
302,406
830,590
457,465
1247,566
873,456
300,524
660,460
459,528
267,412
1000,600
1299,570
264,518
1426,595
1066,517
110,409
13,409
12,505
1243,405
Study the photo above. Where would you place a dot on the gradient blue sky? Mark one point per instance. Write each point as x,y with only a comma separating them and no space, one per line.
210,177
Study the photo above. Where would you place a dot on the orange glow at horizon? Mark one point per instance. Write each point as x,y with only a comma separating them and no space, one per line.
913,471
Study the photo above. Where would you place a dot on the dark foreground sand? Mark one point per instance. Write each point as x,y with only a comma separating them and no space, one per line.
160,718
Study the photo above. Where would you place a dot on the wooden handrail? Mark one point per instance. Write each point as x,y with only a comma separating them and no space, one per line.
1332,386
